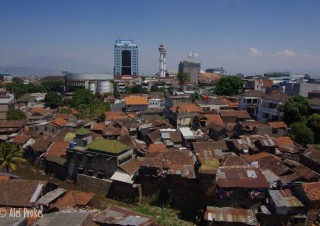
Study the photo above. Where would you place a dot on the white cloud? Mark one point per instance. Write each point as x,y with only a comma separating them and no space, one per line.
286,53
255,52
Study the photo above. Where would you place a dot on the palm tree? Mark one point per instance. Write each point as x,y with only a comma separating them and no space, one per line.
10,156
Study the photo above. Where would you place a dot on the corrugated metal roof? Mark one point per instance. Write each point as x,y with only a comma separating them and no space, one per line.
50,196
229,214
284,198
123,177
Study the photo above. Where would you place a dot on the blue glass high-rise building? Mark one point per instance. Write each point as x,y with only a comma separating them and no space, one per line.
126,58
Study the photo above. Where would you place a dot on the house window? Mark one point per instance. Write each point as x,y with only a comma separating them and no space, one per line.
249,101
266,115
45,128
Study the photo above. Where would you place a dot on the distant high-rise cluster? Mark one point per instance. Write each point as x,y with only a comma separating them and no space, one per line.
126,58
162,60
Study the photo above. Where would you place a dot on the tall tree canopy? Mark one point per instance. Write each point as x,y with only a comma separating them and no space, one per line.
314,124
10,156
301,133
82,96
296,109
53,86
15,114
183,77
53,100
228,86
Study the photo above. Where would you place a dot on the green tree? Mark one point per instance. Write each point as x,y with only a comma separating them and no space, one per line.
295,110
137,89
81,96
53,100
314,124
195,96
154,88
301,133
228,86
53,86
65,110
10,156
183,78
15,114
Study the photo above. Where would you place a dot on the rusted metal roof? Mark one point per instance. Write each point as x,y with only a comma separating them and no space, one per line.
240,177
119,216
229,214
312,191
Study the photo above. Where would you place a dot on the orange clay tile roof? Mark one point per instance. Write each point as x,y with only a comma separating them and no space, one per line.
59,122
277,125
186,108
209,76
216,118
57,148
98,126
4,177
283,141
232,113
64,116
109,115
73,199
312,191
156,148
136,100
41,110
21,139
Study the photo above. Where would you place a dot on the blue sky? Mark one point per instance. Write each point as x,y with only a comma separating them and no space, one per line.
245,36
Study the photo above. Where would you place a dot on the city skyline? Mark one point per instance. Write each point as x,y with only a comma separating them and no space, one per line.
249,37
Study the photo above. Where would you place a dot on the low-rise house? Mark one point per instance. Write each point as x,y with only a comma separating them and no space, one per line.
315,105
240,182
155,103
67,117
249,101
309,194
284,203
55,159
187,136
278,128
12,126
119,216
251,127
72,200
266,144
46,201
230,216
38,113
244,145
115,115
136,103
66,219
101,158
49,128
7,103
21,193
182,115
311,158
268,107
20,140
217,132
209,104
233,116
204,120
